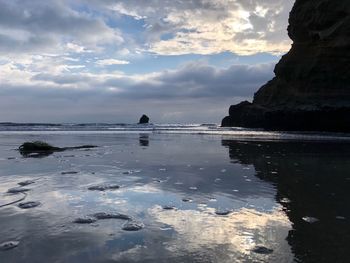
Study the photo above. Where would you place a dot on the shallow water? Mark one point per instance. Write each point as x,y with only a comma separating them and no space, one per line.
177,186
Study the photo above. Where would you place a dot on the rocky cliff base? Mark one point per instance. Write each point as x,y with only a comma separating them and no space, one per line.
246,114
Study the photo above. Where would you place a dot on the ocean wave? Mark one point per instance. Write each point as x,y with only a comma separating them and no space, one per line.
237,133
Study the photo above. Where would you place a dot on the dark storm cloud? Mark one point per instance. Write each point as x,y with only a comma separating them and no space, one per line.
63,79
203,81
194,80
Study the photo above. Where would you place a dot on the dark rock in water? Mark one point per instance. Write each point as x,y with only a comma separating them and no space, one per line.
24,183
8,245
26,205
104,187
133,226
311,88
144,119
262,250
16,190
85,220
42,149
222,212
104,215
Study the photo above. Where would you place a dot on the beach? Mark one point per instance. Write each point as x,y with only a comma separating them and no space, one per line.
195,193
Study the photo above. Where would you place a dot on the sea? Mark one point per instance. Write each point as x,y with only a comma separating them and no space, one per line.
173,193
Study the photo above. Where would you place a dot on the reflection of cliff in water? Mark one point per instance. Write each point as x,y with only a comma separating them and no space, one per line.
312,180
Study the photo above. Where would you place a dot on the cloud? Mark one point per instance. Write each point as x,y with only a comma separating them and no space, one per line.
41,26
169,27
209,26
57,57
193,80
110,62
199,80
191,91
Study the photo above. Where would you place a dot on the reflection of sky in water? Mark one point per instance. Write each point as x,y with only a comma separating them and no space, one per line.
234,235
153,171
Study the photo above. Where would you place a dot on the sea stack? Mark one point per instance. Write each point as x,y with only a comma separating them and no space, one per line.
311,87
144,119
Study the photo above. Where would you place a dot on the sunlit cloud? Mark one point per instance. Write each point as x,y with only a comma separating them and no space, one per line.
110,62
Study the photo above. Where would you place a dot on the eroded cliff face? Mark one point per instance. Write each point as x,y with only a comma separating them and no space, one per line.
311,89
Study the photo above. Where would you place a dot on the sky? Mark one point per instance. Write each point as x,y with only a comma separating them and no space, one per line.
178,61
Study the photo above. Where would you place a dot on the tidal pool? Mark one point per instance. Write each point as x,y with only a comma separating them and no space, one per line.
187,198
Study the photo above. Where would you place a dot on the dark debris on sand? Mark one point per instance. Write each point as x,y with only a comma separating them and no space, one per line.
262,250
16,190
133,226
25,183
85,220
30,204
104,187
105,215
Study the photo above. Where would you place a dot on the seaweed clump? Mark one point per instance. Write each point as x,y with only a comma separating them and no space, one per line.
38,146
42,149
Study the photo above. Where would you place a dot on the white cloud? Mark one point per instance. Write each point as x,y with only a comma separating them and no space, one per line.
209,26
76,48
170,27
110,62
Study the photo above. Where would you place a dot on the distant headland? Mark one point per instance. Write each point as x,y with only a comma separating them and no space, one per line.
311,89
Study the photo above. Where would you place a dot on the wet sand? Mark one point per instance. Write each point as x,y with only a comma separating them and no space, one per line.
174,198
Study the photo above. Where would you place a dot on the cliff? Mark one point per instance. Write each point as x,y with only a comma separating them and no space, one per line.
311,87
